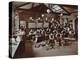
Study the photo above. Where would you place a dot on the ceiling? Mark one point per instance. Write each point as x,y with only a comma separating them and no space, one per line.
65,9
16,4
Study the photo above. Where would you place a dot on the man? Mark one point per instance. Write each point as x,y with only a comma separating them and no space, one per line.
51,42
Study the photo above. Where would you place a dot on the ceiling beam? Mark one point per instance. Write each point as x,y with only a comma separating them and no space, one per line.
64,9
32,5
74,12
71,6
22,5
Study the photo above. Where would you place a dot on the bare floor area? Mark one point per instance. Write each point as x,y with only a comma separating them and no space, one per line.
59,51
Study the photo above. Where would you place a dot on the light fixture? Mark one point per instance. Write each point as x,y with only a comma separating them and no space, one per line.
61,14
48,11
30,18
42,15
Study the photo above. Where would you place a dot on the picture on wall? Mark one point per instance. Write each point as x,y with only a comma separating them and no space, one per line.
42,29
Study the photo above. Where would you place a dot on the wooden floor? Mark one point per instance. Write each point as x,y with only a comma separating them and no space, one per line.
24,50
